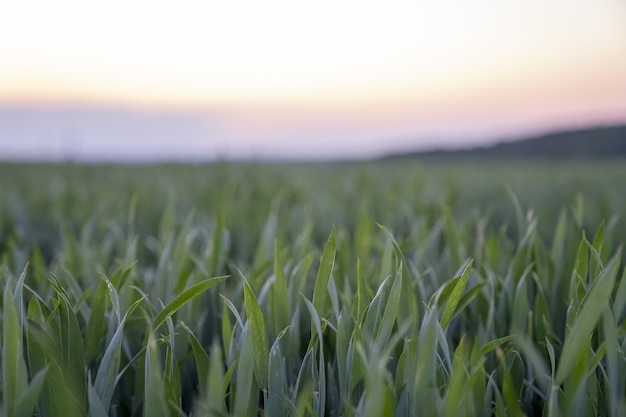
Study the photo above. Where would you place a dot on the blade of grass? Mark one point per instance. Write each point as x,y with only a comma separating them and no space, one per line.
260,345
245,398
455,296
277,386
13,366
408,305
591,309
96,409
155,403
183,298
320,292
71,346
362,296
201,358
320,404
95,326
391,311
106,378
281,297
28,399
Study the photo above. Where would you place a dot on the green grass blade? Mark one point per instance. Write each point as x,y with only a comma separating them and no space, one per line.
59,396
106,378
96,409
115,300
374,311
201,358
620,297
281,298
18,298
13,366
71,347
362,296
591,309
96,324
320,404
155,403
108,369
489,346
246,390
509,393
218,381
183,298
229,304
615,364
408,304
27,400
277,386
226,328
256,324
320,292
455,296
559,239
391,311
454,242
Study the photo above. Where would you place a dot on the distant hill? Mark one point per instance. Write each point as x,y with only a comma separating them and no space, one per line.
599,142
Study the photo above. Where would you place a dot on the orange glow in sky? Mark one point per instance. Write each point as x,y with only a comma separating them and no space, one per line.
349,70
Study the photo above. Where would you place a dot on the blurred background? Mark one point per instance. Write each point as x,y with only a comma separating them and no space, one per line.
280,80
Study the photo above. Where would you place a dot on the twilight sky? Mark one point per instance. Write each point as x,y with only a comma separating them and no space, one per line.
286,79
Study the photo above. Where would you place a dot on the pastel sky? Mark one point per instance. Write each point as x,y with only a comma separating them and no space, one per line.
139,79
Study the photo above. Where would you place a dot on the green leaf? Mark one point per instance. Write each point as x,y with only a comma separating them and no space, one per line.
320,404
615,364
96,409
391,311
408,311
106,378
226,328
19,299
455,296
95,326
246,390
454,243
155,402
281,297
60,394
320,292
201,358
509,393
268,235
71,347
591,309
362,296
13,366
374,311
620,297
260,346
115,301
218,381
27,400
489,346
278,386
183,298
108,369
559,239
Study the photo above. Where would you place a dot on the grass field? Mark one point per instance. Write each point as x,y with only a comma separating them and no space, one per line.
360,289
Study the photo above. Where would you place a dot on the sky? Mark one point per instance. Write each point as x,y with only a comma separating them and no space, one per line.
273,79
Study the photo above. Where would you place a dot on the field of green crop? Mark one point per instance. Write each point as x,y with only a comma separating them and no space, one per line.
360,289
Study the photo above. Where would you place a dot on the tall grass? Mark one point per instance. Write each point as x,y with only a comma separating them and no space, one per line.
312,290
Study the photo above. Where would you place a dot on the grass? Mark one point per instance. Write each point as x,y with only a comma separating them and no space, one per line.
313,290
